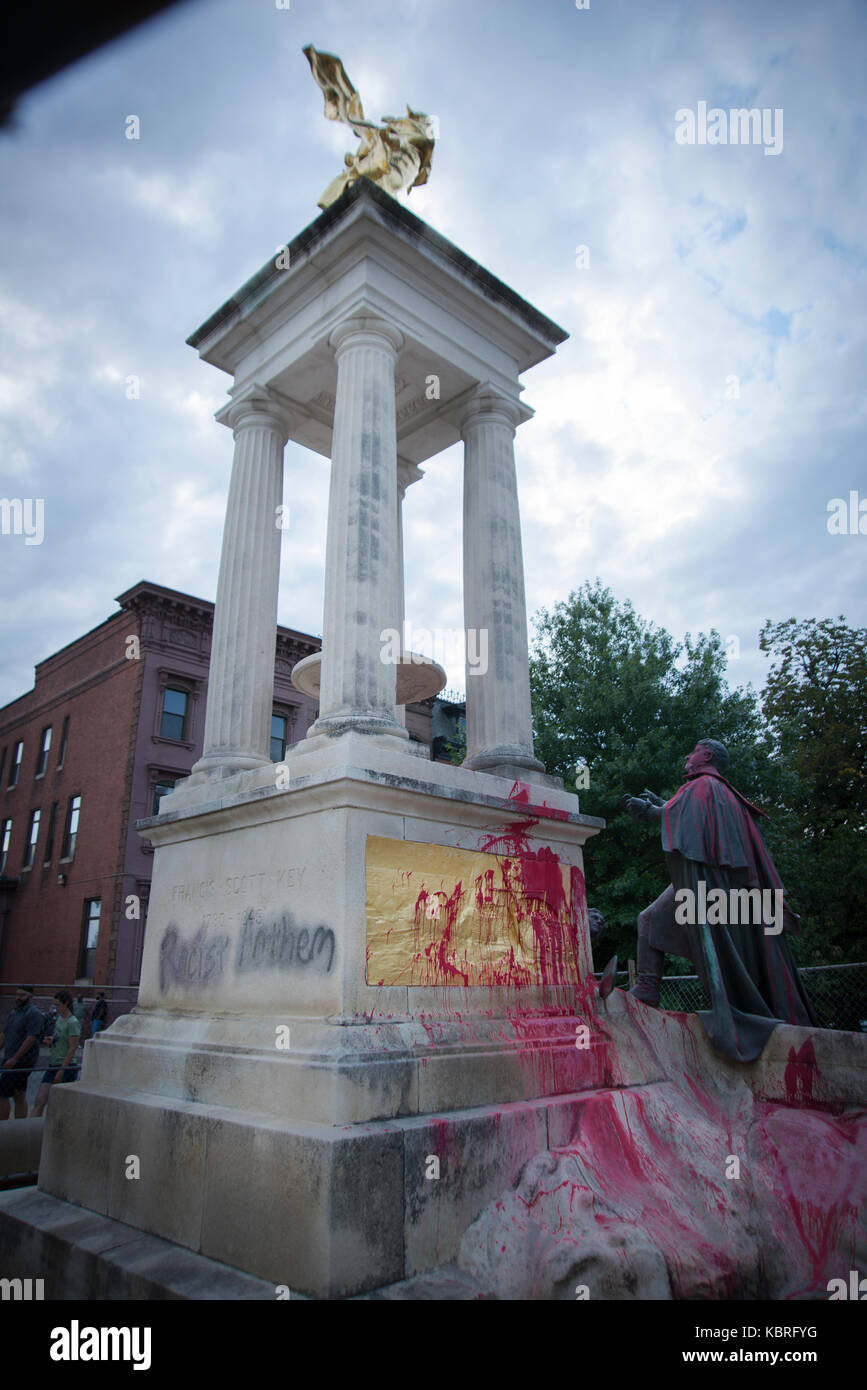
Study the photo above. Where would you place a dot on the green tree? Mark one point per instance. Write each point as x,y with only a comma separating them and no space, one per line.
456,748
618,694
815,704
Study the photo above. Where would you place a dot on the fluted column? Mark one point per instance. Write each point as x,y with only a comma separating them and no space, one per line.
499,721
357,687
241,679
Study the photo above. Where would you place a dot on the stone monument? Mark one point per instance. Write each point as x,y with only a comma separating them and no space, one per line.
350,953
367,1003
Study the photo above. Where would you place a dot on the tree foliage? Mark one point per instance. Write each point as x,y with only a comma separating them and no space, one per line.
815,705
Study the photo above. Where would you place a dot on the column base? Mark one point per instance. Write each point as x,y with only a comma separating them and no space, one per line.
507,762
368,724
217,765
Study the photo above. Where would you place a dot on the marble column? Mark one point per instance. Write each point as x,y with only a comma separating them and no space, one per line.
241,679
499,721
357,687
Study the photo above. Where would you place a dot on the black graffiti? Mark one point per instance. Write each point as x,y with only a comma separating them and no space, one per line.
282,946
197,962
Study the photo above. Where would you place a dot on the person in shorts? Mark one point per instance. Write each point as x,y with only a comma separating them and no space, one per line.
67,1032
20,1038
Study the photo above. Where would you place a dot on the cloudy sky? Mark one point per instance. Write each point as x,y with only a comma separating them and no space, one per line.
688,437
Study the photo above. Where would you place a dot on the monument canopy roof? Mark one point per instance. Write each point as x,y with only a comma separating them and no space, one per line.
409,228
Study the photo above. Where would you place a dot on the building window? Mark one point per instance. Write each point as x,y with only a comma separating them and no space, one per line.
64,739
32,837
279,733
16,764
174,718
42,764
70,834
52,826
161,788
5,837
3,763
89,938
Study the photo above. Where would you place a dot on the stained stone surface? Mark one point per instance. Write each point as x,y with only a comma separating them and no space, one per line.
617,1182
636,1202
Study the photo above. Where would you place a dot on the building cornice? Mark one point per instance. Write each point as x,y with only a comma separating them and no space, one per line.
69,692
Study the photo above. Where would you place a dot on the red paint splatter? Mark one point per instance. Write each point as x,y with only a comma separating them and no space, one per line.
528,925
512,839
817,1176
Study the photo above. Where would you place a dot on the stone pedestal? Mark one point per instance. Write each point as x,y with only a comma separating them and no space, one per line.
283,1103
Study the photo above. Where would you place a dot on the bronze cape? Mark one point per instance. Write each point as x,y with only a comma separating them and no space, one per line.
711,833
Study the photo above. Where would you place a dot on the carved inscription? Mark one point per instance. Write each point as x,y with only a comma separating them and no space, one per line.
263,885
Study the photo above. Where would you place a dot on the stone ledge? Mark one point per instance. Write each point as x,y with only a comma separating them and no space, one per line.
373,769
82,1255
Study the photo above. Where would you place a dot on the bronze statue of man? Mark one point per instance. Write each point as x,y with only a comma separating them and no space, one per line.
724,910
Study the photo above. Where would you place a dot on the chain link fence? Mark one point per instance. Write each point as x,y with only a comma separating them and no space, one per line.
838,994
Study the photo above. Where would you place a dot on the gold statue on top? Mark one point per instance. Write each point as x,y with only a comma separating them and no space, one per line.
395,155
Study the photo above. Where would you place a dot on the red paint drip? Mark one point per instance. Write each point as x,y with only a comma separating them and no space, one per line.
526,905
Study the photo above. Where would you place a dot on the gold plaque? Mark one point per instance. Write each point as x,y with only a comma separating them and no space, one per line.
441,916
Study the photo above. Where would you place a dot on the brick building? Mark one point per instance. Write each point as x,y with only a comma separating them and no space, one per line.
113,720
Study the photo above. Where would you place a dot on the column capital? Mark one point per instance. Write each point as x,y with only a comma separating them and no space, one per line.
256,405
407,474
365,330
488,404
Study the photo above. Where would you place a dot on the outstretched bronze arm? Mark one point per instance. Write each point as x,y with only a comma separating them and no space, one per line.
642,807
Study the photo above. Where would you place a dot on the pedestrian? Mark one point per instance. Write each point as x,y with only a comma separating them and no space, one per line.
20,1038
99,1014
67,1033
